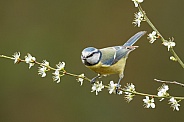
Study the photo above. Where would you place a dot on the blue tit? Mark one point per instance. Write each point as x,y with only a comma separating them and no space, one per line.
110,60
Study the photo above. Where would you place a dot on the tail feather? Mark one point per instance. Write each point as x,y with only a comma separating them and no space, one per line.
134,38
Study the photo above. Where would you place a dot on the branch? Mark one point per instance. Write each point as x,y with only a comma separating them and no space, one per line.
160,35
170,82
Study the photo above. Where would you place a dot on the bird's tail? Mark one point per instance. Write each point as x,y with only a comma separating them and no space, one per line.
134,38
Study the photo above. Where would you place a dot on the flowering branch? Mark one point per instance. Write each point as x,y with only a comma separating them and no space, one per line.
141,16
44,66
128,90
162,91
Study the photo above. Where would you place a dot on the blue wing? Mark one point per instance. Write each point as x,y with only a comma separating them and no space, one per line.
108,56
112,55
121,52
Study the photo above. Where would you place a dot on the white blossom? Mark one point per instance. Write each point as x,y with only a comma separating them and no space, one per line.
97,87
113,88
136,2
152,37
60,65
30,60
56,76
42,71
45,63
80,79
16,57
129,97
162,91
169,44
129,88
149,103
119,92
174,104
138,19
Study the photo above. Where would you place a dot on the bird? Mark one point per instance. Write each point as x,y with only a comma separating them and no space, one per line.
109,60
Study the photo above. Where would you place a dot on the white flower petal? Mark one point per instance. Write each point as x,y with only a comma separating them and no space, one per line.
112,87
149,103
30,60
136,2
153,105
60,66
174,104
138,19
56,76
97,87
152,37
129,88
16,56
42,71
45,63
80,79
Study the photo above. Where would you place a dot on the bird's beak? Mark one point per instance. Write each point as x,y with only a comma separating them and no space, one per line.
83,58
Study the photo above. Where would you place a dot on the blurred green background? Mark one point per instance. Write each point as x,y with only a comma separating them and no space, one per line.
58,30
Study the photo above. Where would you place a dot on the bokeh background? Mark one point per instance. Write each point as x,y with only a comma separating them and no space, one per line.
58,30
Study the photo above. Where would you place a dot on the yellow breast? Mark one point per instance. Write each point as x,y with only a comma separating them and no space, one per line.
116,68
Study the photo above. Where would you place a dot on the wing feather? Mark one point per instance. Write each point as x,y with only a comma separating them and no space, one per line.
108,56
121,52
112,55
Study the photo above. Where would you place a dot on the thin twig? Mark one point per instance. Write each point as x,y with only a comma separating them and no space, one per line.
170,82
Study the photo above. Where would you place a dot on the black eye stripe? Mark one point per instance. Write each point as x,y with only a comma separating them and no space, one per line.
90,55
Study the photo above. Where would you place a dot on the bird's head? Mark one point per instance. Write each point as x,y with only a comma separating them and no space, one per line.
91,56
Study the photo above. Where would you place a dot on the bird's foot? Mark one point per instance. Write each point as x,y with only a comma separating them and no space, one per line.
118,88
93,80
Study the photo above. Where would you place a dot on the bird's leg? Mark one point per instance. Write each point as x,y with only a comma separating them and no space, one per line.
94,79
118,85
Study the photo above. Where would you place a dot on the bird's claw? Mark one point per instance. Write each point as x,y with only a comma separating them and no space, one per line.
93,81
117,88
